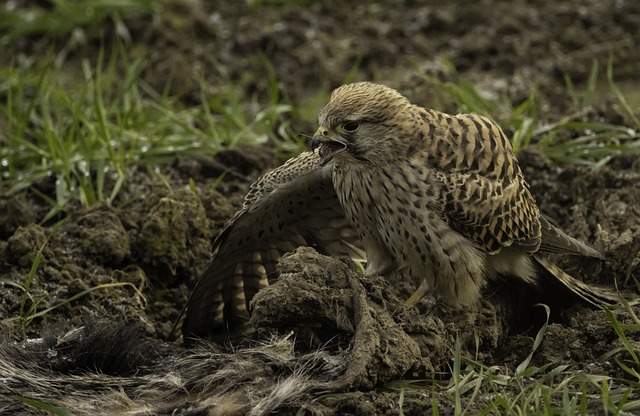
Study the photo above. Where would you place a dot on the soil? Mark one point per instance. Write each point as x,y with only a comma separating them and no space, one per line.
134,262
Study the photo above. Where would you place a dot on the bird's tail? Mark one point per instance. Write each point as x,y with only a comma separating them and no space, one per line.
595,295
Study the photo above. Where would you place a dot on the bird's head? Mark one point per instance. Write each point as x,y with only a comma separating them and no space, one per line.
363,123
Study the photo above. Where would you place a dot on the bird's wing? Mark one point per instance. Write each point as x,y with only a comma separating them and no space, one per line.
493,218
554,240
483,194
291,206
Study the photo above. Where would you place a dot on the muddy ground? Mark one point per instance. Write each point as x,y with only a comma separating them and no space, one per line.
144,253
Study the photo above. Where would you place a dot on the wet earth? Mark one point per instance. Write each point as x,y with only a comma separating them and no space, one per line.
124,271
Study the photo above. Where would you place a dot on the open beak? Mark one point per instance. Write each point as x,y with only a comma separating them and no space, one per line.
327,144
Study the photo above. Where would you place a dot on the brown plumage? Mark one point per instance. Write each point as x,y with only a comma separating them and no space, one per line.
429,197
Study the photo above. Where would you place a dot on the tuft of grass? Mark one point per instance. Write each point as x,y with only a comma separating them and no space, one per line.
626,356
550,389
80,125
570,140
84,135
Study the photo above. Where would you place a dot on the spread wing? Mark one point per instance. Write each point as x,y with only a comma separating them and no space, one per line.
291,206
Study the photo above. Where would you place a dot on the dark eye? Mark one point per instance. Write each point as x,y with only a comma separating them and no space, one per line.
350,126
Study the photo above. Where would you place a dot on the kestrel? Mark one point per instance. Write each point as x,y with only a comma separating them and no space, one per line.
421,195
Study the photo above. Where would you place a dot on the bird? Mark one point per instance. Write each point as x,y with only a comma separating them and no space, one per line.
420,195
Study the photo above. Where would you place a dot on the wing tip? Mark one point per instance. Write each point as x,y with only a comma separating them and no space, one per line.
596,295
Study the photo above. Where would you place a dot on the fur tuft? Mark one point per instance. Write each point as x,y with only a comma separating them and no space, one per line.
109,369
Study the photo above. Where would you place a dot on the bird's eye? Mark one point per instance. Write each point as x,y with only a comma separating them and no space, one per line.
350,126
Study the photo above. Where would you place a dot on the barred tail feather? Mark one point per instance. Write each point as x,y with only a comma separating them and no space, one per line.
595,295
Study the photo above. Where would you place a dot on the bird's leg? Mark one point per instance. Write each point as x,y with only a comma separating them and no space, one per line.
419,294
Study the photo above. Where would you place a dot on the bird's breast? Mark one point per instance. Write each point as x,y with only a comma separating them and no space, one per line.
392,210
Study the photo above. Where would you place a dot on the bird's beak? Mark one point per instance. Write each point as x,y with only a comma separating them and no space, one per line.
328,145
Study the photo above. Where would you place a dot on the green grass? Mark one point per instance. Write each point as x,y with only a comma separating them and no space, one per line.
477,389
82,127
577,138
84,131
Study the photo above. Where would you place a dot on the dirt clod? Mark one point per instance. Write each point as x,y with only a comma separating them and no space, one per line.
23,245
100,235
325,301
175,233
15,212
